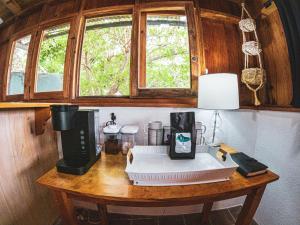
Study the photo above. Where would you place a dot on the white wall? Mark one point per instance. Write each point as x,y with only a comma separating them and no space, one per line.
271,137
274,139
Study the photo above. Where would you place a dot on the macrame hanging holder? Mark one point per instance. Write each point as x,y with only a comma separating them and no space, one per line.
253,78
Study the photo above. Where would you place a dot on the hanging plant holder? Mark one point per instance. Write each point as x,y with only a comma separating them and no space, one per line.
251,48
253,78
247,25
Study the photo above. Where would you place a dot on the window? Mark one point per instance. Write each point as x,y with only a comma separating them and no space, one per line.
51,59
17,68
167,57
105,56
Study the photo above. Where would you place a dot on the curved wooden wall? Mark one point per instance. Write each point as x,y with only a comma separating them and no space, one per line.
221,40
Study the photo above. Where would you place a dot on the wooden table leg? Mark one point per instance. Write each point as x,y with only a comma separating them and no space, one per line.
250,206
205,213
102,209
66,208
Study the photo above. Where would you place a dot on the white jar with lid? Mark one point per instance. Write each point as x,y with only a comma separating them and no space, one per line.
128,133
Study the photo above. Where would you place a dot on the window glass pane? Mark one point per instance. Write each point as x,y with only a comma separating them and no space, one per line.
167,52
51,60
105,56
18,66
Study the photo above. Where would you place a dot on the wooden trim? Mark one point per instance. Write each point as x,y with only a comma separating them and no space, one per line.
220,16
180,102
188,8
163,6
105,11
142,59
200,41
194,51
135,50
67,64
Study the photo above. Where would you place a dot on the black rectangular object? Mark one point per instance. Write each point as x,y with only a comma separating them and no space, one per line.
183,135
79,145
248,166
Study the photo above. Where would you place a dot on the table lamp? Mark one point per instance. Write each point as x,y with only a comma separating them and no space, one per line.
218,92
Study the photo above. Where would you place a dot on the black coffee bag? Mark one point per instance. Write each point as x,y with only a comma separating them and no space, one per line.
183,135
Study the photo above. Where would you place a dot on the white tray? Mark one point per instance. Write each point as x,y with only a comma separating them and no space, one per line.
152,166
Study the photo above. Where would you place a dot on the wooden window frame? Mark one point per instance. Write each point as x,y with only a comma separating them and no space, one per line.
140,61
11,49
123,10
57,95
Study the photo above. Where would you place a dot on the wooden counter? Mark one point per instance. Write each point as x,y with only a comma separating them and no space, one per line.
107,183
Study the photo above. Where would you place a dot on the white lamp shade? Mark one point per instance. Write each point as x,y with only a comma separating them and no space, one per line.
218,92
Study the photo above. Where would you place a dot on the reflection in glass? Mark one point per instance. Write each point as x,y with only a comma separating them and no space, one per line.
18,64
51,61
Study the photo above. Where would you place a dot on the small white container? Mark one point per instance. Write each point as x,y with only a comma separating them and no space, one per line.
128,137
142,167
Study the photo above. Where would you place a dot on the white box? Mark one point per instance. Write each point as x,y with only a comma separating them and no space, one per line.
152,166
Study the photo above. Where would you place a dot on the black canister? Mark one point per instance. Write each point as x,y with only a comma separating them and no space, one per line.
63,116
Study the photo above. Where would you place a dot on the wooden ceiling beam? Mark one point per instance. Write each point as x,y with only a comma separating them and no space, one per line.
13,6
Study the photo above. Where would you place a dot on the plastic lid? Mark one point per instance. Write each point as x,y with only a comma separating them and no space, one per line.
111,129
129,129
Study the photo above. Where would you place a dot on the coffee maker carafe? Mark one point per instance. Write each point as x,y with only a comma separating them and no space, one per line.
79,137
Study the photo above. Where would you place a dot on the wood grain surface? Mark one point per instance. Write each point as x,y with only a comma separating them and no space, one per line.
106,182
25,157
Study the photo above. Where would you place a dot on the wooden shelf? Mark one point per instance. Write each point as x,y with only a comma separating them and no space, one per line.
20,105
41,110
273,108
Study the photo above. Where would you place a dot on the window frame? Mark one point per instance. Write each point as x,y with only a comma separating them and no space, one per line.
57,95
186,9
123,10
6,77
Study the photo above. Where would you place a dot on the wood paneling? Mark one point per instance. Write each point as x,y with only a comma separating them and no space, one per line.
29,19
276,60
6,32
222,44
92,4
221,35
3,57
25,157
55,9
221,5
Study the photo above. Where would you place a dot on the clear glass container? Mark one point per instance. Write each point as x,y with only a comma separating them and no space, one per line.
166,135
112,139
128,138
200,130
112,143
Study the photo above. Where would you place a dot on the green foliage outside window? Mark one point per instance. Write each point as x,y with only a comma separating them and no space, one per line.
167,54
105,55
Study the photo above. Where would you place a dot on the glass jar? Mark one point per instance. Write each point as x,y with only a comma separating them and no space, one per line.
112,140
167,135
200,130
155,133
128,138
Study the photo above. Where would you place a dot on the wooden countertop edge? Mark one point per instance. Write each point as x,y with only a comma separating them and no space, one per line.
119,200
24,105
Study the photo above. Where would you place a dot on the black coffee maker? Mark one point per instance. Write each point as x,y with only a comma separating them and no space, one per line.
79,137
